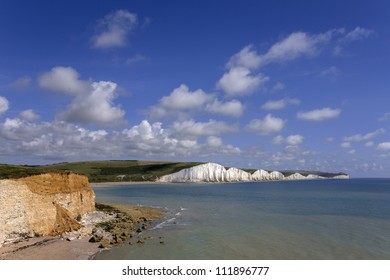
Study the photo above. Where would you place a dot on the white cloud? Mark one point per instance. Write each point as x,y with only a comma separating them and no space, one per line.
66,141
240,81
319,114
384,146
297,44
364,137
267,125
214,141
21,83
182,102
192,129
93,101
278,140
358,33
28,115
280,104
294,140
94,107
4,105
183,99
114,29
64,80
247,58
232,108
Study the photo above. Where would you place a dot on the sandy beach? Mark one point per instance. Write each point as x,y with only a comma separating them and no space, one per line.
71,247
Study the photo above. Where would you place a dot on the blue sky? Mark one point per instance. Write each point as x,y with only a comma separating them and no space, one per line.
260,84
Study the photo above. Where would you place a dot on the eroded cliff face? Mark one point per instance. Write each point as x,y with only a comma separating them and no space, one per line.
43,204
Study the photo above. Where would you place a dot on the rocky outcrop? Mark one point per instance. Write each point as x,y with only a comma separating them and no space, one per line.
212,172
46,204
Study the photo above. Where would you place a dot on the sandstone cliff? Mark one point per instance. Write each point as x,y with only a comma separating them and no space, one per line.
43,204
212,172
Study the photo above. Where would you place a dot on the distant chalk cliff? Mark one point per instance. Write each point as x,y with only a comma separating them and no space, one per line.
212,172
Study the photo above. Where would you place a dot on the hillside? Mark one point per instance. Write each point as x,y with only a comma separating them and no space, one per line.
119,170
101,171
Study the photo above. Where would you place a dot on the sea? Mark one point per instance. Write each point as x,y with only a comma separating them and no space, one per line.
281,220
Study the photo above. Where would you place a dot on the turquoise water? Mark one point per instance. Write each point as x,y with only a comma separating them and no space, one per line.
318,219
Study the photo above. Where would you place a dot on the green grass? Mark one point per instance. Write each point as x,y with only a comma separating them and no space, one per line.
101,171
114,170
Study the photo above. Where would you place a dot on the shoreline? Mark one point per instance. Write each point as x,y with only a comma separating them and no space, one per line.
70,247
113,184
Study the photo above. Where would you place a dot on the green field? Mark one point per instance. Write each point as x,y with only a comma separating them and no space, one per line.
101,171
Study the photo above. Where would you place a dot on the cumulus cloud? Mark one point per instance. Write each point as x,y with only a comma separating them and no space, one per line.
94,107
294,140
4,105
247,58
365,137
232,108
64,80
384,146
267,125
183,102
241,78
63,141
280,104
93,101
240,81
28,115
319,114
114,29
181,99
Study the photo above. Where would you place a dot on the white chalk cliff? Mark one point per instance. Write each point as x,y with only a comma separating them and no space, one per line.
212,172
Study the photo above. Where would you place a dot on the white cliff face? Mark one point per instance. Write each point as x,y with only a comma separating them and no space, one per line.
341,177
237,175
212,172
208,172
261,175
296,176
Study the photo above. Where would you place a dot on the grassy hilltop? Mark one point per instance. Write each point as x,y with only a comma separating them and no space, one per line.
118,170
101,171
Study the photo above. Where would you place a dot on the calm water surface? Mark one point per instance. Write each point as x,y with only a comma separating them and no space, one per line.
317,219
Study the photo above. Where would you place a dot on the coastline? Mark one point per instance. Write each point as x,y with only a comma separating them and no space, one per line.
71,246
113,184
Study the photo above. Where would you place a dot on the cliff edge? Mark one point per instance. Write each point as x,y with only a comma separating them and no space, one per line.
46,204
